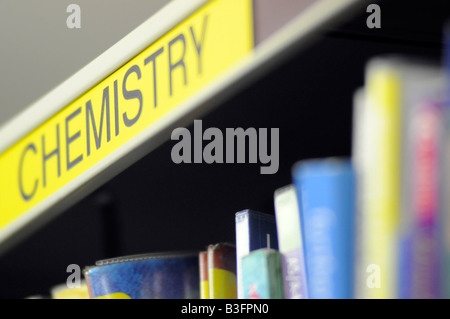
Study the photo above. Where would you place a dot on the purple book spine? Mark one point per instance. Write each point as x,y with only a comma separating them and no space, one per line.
426,197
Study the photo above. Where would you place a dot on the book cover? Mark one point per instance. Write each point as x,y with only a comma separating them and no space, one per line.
392,85
326,188
169,275
62,291
254,230
381,207
203,265
444,211
444,169
420,81
261,275
222,271
427,129
360,150
290,242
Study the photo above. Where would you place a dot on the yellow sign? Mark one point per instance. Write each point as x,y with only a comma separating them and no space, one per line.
120,107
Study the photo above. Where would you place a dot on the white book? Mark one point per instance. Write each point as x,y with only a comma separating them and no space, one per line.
290,242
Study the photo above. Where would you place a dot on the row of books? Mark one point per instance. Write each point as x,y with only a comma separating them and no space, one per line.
376,225
401,157
268,260
373,226
311,254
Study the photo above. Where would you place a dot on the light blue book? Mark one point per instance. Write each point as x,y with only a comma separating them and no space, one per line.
326,189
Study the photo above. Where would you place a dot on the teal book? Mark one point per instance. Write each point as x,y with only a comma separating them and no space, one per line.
261,275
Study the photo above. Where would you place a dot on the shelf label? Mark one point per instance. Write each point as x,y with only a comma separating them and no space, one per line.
134,97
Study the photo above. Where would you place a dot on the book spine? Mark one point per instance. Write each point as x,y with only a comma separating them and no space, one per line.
203,265
242,247
327,189
290,243
222,271
380,209
254,230
261,275
444,214
163,277
426,202
359,150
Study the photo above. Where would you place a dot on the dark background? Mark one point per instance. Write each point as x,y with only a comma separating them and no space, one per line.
156,205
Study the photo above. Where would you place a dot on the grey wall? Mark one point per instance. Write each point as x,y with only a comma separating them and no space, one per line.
38,50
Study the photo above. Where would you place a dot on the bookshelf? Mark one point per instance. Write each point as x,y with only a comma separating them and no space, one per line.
146,203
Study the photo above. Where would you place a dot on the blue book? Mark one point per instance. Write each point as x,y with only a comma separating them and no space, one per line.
326,191
261,275
167,275
254,230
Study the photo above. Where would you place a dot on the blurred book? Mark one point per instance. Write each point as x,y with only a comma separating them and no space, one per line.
222,271
382,172
261,275
360,149
203,265
290,242
384,161
420,81
167,275
427,134
254,230
444,211
38,297
444,217
327,196
62,291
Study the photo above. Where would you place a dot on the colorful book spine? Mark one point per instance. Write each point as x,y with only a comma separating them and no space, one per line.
222,271
261,275
444,212
327,190
290,242
361,152
427,146
394,86
254,230
169,275
444,218
420,81
380,207
62,291
203,265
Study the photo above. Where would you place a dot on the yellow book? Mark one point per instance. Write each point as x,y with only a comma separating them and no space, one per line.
380,206
62,291
222,271
203,265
